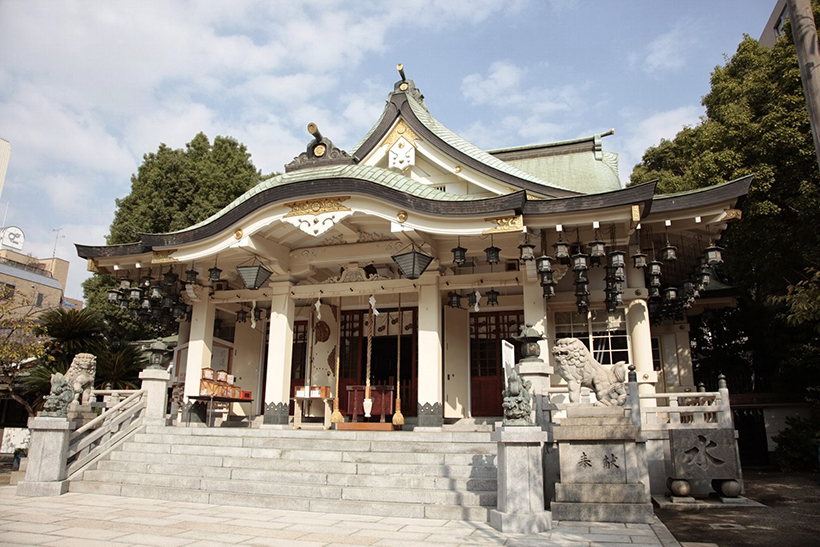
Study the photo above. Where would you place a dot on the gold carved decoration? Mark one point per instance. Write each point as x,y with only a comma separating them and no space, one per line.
316,207
319,150
91,266
401,130
238,234
505,224
732,214
163,257
402,216
457,169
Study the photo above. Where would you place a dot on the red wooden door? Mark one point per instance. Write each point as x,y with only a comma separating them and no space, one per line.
487,330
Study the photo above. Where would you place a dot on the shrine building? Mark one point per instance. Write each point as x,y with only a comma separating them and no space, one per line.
400,266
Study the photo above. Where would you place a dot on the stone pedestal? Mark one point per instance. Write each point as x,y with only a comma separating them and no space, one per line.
537,371
80,414
47,453
155,383
520,481
602,467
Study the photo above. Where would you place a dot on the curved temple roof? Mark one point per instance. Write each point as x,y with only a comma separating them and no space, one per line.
529,194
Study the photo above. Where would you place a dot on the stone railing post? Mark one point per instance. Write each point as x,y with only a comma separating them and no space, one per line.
520,507
633,401
155,385
46,473
724,408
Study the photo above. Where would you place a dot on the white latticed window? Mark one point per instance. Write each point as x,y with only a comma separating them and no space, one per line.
603,333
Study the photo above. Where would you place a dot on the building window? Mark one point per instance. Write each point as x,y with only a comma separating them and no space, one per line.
603,333
38,302
657,363
7,290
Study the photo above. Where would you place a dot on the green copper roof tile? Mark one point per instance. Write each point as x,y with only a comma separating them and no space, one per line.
378,175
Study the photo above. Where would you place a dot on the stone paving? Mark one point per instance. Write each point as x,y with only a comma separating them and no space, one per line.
91,520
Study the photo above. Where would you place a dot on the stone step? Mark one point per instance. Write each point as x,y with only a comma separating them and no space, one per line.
613,493
595,420
416,436
602,512
299,476
421,509
291,463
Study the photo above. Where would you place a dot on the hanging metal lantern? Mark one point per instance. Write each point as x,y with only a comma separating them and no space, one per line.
459,255
455,299
241,315
253,276
146,280
619,274
125,285
214,274
168,301
413,263
617,297
492,297
543,264
581,288
581,276
136,294
639,260
669,253
546,278
561,250
705,277
580,261
124,304
472,299
257,314
616,258
582,302
688,288
492,254
671,293
525,252
548,290
654,268
156,312
714,255
190,276
146,304
654,292
155,292
179,310
169,278
114,296
597,249
654,281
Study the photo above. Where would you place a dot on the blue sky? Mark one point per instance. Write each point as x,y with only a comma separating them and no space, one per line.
87,88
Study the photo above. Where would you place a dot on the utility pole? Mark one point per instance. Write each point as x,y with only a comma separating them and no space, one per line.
56,239
804,33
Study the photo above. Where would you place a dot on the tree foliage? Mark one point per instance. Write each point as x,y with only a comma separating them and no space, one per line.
756,123
20,345
174,189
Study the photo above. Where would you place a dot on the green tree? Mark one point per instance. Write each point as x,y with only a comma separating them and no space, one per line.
174,189
20,344
757,123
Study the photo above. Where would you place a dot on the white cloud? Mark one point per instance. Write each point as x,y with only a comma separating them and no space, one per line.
640,134
668,52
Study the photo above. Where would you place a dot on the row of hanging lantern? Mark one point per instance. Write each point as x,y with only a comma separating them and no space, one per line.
151,300
493,255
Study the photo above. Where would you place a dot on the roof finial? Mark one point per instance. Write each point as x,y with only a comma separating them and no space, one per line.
313,129
400,68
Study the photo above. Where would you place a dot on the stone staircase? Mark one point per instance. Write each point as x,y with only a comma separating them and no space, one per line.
439,475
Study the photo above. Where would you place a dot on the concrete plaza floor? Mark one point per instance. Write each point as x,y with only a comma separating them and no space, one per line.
91,520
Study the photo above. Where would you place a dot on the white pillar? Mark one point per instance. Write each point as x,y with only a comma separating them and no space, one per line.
280,350
637,321
200,345
430,410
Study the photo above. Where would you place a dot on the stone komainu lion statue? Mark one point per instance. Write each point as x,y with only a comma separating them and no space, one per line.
81,375
577,366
